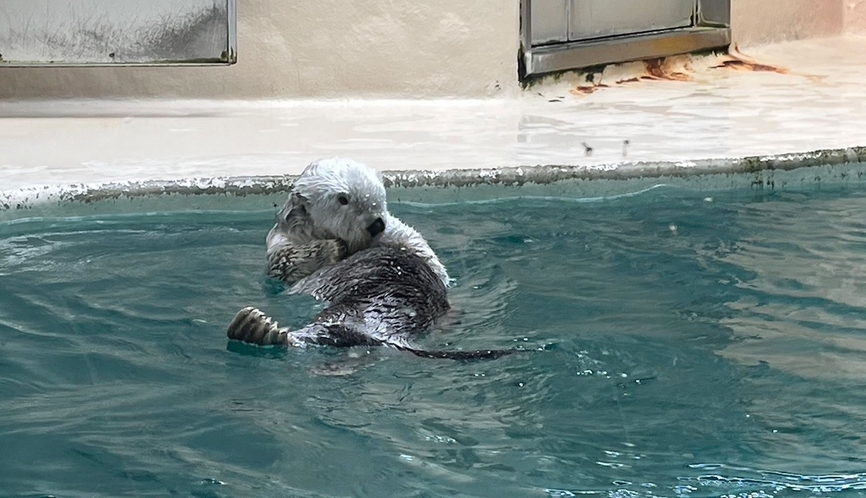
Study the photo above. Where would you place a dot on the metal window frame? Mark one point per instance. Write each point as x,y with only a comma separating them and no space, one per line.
710,29
227,58
232,48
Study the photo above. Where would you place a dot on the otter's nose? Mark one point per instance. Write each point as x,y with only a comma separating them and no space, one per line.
376,227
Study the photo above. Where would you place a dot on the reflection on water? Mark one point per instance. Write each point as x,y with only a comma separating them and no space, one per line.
678,344
803,309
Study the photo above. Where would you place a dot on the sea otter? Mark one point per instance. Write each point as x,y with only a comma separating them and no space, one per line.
335,240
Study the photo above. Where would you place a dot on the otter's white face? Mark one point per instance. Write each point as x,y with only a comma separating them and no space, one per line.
345,200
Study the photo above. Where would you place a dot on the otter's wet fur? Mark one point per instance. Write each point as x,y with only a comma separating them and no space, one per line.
336,241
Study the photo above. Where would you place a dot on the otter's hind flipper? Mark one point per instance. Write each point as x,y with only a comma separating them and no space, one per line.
252,326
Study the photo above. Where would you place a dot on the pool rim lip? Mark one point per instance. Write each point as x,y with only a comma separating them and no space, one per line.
511,176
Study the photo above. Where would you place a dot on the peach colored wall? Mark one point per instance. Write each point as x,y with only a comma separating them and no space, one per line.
855,16
322,49
756,22
384,48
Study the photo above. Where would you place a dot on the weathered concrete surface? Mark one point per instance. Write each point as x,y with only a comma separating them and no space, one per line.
804,96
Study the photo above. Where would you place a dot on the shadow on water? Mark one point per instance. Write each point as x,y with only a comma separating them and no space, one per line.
237,347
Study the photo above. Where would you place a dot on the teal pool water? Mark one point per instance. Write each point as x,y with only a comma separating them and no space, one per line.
683,344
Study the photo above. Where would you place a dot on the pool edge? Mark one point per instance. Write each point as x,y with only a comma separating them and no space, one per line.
514,176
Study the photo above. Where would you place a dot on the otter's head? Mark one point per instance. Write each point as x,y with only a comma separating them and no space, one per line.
339,199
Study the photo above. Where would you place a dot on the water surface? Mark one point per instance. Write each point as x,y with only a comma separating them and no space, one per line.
680,343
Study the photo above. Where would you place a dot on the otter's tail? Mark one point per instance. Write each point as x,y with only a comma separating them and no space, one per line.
481,354
252,326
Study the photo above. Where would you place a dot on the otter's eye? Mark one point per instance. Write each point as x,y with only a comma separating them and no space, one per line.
342,199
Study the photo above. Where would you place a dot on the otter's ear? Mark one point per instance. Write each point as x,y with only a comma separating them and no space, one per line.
294,213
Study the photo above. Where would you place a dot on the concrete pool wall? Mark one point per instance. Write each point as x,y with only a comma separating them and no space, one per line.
150,131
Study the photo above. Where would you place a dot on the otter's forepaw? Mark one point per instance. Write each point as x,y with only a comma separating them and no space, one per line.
334,251
252,326
292,262
282,265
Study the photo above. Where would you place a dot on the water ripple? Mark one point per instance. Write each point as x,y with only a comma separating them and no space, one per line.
662,329
734,479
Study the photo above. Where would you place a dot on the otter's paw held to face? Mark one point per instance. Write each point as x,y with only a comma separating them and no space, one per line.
333,251
292,262
282,264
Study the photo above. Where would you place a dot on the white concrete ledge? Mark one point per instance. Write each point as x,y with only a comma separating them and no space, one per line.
822,166
799,105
